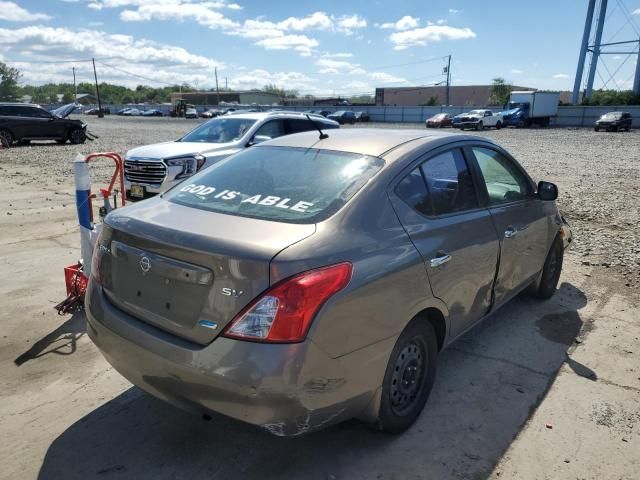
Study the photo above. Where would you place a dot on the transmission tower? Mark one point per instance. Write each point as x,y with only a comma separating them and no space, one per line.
596,48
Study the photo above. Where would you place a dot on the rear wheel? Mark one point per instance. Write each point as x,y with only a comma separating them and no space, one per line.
550,272
480,126
6,138
409,377
498,125
77,136
596,129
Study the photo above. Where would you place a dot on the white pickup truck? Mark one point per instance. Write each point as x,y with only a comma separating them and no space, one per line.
480,119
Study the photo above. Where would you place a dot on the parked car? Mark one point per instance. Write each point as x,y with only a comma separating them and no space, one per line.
343,116
132,112
324,113
457,119
152,169
94,111
264,288
614,121
191,112
480,119
123,111
361,116
439,120
211,113
20,122
152,113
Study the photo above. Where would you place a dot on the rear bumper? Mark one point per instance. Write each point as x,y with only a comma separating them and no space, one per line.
288,390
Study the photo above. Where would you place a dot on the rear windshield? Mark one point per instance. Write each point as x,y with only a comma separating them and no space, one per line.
219,130
284,184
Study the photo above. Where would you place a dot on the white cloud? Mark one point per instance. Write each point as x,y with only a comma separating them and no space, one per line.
453,10
560,75
347,24
301,43
337,55
405,23
317,20
429,34
214,4
48,43
636,11
12,12
201,13
515,71
92,24
258,78
330,66
385,78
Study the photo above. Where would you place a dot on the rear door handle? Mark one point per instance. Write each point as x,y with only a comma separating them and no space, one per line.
441,259
510,232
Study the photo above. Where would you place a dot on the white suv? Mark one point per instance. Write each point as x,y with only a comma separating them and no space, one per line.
152,169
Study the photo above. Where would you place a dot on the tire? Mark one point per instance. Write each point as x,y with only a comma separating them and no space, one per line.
77,136
480,126
6,138
596,129
408,378
521,124
550,275
498,125
61,141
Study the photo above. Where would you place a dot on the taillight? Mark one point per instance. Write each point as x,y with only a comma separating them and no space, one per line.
283,314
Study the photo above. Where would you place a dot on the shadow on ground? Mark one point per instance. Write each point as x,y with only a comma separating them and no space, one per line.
489,382
61,341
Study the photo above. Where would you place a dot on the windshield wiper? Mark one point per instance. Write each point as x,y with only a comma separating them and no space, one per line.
322,134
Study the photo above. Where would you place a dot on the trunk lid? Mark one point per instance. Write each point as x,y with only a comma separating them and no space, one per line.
185,270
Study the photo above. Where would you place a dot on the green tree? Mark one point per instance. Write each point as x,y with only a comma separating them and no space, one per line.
500,91
432,102
9,76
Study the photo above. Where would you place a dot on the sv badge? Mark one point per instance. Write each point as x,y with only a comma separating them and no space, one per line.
231,292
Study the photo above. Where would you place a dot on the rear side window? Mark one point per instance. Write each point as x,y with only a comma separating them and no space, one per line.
440,186
294,185
449,183
296,125
504,180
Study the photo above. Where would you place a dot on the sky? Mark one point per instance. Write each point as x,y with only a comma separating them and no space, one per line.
333,47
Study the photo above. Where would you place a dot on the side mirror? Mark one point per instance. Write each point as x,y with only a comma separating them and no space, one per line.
258,139
547,191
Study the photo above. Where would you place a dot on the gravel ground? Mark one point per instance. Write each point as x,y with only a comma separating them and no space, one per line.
545,389
597,174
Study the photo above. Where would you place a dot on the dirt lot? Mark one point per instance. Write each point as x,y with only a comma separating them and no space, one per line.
541,390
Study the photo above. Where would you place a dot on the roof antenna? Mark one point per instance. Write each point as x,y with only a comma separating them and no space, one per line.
322,134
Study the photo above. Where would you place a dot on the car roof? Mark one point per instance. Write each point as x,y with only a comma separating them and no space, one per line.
276,114
365,141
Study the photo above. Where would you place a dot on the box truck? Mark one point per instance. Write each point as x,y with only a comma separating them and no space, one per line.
529,108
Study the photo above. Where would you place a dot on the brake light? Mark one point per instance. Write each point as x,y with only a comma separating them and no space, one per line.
283,314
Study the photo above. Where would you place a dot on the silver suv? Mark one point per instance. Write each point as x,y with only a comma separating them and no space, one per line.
152,169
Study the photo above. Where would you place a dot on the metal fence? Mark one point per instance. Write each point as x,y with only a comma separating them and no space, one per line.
568,116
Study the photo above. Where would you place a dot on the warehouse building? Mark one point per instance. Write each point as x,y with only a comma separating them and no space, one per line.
245,97
471,95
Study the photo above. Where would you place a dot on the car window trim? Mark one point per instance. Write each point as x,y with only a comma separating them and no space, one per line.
418,164
533,195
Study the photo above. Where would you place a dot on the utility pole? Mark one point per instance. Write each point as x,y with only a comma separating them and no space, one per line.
75,87
448,78
217,89
95,75
226,84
